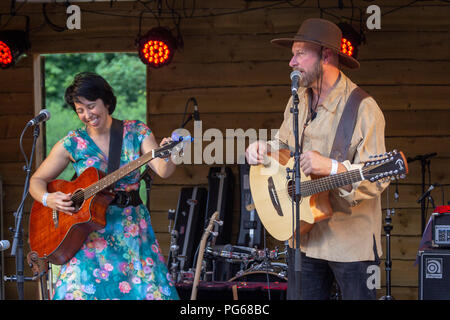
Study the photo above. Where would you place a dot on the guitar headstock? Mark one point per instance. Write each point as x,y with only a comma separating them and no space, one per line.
165,150
172,147
391,165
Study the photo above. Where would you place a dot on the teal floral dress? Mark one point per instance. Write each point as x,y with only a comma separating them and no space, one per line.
123,260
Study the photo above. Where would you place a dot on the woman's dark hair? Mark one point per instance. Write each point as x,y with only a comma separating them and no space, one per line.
90,86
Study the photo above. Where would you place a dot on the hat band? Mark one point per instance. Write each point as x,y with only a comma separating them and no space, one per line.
302,37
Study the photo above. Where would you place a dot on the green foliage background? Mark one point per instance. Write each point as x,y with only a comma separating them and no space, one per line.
125,73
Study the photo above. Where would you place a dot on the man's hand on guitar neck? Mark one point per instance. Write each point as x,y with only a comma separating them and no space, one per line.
312,162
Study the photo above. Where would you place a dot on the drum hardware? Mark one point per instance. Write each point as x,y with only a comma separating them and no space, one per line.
174,263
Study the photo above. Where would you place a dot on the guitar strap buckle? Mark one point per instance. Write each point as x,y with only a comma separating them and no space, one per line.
124,199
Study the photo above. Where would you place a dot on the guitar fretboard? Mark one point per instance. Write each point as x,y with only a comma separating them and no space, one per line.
308,188
116,175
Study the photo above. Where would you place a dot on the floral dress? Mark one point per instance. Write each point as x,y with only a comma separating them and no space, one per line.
123,260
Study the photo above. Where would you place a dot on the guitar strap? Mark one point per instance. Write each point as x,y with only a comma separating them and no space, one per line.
115,145
346,125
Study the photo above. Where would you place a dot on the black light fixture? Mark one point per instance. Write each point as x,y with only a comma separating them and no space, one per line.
351,40
13,44
157,47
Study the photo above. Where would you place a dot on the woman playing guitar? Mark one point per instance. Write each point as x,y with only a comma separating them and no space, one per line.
122,260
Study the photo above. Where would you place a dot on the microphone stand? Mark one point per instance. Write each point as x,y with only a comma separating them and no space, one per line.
17,246
424,164
296,195
388,264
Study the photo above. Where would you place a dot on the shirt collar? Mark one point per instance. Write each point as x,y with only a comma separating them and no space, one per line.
334,97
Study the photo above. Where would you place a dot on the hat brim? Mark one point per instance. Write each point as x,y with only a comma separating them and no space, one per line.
344,59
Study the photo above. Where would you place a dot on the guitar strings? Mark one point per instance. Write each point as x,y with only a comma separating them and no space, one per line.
106,181
311,187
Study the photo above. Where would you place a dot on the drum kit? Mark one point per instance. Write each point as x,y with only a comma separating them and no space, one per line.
243,266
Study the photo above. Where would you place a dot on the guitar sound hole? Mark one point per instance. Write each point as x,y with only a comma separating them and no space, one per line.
78,199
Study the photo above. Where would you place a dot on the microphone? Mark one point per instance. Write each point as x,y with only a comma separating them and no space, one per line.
427,193
295,78
196,113
44,115
4,244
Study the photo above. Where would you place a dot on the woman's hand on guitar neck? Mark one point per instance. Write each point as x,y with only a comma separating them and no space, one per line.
61,202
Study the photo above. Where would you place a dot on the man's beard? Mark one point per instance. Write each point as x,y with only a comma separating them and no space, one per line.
309,78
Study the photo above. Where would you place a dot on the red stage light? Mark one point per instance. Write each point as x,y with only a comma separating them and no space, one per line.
157,47
346,47
13,44
351,40
5,55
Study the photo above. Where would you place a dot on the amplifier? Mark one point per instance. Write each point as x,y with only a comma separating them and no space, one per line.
441,227
434,274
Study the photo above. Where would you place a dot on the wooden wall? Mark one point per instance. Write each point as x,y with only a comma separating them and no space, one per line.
240,80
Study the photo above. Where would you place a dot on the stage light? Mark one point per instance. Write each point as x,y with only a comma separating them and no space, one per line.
13,44
351,40
157,47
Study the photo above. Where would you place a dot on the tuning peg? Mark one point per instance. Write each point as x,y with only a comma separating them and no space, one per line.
219,222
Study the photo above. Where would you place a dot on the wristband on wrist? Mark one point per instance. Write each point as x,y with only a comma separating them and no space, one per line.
44,199
334,167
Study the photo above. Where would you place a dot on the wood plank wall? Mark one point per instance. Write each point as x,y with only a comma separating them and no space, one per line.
240,80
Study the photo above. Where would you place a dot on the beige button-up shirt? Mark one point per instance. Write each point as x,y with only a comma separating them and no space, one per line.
356,222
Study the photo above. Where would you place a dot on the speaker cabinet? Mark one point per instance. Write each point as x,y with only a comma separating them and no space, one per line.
434,274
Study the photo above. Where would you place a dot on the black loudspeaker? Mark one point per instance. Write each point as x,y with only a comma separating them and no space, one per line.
434,275
188,226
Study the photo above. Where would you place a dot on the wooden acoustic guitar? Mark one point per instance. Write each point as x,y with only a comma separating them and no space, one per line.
57,236
198,268
272,192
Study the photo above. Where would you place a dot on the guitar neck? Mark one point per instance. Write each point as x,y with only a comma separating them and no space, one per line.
311,187
115,176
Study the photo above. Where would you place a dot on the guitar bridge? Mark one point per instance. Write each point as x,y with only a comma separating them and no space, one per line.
55,217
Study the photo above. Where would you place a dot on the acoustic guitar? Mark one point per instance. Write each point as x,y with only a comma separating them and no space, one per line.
57,236
198,269
273,194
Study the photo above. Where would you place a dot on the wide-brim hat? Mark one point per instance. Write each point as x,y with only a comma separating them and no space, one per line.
324,33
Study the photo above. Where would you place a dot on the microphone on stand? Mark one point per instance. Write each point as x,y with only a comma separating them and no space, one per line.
44,115
427,193
4,245
196,113
295,78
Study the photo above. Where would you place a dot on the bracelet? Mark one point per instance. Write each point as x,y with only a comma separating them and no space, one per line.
334,167
44,199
